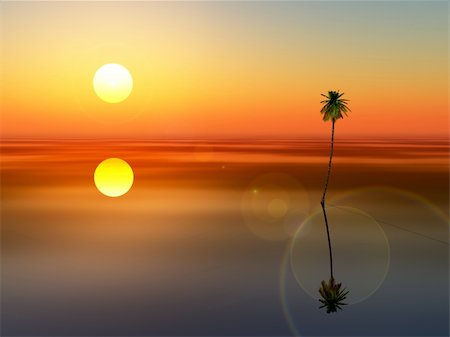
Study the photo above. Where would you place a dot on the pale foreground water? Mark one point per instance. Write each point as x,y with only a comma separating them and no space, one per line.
224,238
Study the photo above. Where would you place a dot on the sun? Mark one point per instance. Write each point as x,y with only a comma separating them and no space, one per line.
113,177
112,83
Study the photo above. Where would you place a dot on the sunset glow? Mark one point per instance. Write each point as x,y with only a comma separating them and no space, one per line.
113,177
224,69
112,83
181,168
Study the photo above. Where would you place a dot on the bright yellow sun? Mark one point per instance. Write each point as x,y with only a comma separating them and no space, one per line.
113,83
113,177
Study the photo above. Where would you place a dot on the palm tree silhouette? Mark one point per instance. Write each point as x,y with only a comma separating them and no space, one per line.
332,295
333,109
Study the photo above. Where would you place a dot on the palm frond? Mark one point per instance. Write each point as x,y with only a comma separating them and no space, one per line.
334,106
332,295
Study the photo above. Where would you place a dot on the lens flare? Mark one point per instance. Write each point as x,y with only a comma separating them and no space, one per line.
356,219
274,205
360,252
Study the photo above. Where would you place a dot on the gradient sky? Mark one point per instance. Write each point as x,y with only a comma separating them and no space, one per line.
225,69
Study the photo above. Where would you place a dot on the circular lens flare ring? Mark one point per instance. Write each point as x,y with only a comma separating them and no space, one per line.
113,177
273,205
360,252
387,206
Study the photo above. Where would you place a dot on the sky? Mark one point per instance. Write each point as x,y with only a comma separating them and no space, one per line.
224,69
204,236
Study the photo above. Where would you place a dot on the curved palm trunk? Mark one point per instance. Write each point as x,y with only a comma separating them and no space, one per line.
323,199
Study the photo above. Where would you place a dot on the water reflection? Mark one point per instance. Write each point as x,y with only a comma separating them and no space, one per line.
190,243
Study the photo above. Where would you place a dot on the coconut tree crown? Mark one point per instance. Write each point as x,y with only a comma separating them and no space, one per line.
334,106
333,295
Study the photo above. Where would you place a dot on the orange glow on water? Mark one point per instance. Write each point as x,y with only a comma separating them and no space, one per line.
113,177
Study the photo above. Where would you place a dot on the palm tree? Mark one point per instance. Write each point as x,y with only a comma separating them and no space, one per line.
332,295
333,109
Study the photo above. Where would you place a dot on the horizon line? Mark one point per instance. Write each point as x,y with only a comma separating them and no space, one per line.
228,138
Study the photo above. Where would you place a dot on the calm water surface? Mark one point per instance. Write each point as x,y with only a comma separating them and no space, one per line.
224,238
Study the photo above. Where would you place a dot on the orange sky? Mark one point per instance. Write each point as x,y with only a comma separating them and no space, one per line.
236,69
